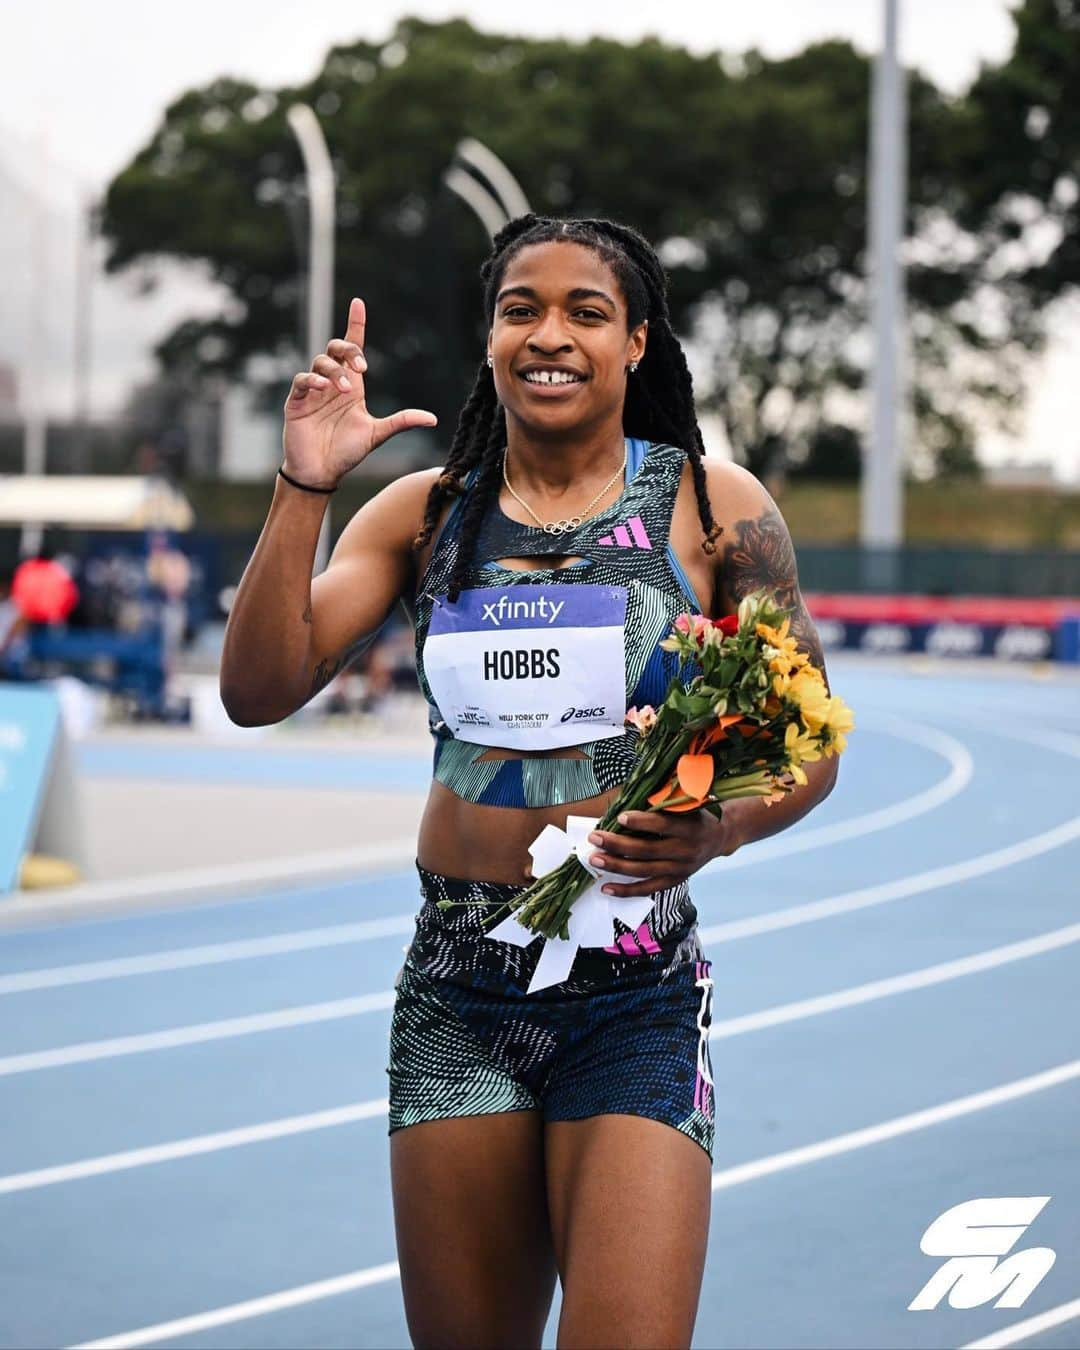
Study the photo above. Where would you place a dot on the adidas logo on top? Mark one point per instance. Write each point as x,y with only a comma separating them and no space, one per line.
620,536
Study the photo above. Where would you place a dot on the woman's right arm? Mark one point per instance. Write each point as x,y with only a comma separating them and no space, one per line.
288,635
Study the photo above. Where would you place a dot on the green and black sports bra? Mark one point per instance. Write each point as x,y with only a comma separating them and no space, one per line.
627,561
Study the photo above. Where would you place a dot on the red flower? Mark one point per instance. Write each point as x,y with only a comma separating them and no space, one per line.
728,625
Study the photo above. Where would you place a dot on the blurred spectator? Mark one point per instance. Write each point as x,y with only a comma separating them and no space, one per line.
44,590
168,571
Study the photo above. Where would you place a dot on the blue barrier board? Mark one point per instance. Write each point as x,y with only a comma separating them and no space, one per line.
29,719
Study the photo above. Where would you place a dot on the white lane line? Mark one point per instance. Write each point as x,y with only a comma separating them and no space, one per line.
254,1307
726,932
96,897
312,866
893,1129
729,1027
197,1034
958,777
212,954
193,1146
202,1032
721,1180
900,889
1030,1326
961,772
920,882
898,984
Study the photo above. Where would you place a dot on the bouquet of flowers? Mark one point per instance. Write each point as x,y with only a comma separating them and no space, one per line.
744,725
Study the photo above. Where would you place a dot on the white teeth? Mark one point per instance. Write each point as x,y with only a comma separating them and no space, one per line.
552,377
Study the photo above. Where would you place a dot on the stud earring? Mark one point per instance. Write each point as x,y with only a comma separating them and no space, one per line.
489,361
632,367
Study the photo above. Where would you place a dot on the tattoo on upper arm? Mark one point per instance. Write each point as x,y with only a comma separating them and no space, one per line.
762,558
324,673
326,669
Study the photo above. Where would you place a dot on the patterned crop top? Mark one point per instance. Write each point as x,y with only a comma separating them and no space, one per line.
625,547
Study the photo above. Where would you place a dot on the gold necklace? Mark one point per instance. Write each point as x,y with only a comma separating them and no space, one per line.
568,523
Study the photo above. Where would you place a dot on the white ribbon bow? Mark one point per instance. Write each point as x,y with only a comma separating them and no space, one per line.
593,914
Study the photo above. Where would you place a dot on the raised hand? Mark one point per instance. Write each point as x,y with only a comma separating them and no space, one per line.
328,428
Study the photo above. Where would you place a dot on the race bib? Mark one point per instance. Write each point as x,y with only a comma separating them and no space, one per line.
530,667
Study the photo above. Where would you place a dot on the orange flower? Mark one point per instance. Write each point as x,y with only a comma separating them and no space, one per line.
663,793
695,775
686,806
717,732
667,797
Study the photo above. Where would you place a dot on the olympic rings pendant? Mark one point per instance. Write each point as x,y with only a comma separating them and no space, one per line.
562,526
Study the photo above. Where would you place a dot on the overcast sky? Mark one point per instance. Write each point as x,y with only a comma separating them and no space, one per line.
82,87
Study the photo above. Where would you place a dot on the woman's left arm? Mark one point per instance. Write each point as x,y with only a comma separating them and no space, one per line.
755,553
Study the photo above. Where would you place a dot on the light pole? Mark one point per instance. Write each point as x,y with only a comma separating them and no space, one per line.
35,423
491,189
881,504
320,291
82,330
503,183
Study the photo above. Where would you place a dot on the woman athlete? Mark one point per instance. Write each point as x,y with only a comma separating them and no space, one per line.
568,1131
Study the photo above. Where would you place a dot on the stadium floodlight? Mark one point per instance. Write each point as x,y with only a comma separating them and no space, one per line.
881,505
488,209
503,184
319,171
490,188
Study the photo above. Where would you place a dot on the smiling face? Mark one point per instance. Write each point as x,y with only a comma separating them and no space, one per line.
560,342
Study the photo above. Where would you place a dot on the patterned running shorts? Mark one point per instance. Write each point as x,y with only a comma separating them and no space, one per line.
627,1033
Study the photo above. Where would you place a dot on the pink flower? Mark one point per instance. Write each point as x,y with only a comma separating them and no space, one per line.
642,718
694,626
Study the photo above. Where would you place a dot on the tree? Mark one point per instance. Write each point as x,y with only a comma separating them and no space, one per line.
750,175
1023,162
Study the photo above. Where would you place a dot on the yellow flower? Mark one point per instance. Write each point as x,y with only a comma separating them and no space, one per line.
774,635
807,689
839,720
802,748
800,744
781,650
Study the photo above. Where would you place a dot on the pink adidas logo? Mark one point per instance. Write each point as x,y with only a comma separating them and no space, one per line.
638,943
620,535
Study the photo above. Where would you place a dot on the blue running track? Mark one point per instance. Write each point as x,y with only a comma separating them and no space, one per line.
192,1117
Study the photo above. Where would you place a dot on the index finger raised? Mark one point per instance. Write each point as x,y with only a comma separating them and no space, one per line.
354,331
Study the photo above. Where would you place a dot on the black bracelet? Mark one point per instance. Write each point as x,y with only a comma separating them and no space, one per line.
305,487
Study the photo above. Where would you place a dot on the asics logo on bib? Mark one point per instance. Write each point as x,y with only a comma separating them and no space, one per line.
576,714
531,663
505,608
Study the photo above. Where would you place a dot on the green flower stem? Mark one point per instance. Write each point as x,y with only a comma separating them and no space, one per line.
739,780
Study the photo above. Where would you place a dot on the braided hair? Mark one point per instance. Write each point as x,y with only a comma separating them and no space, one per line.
659,403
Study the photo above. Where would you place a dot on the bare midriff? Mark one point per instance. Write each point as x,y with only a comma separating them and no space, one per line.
489,843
